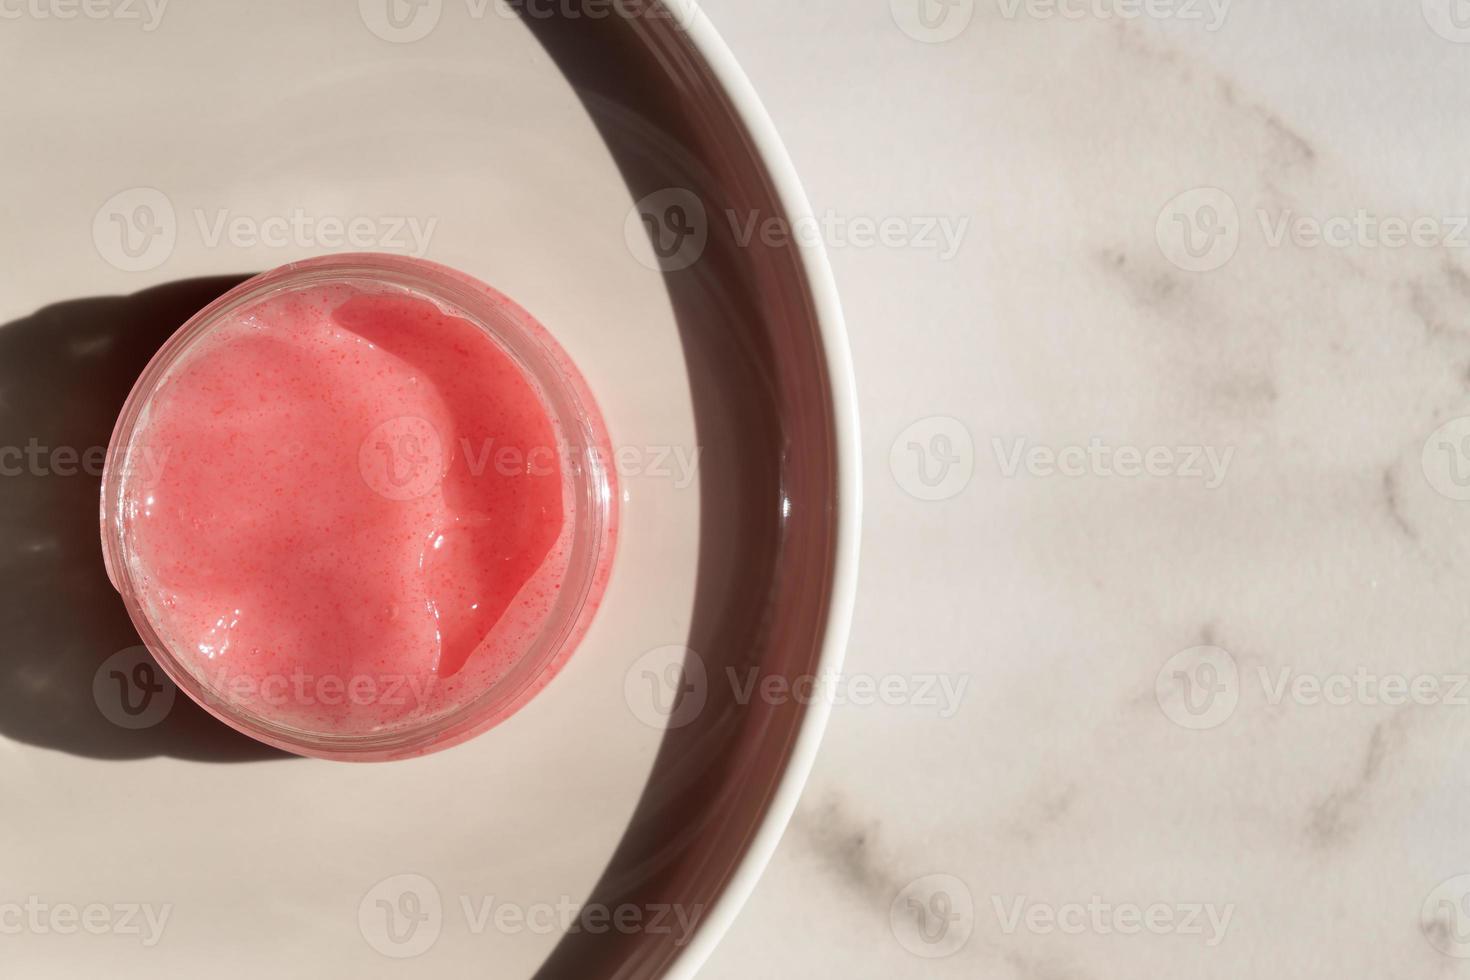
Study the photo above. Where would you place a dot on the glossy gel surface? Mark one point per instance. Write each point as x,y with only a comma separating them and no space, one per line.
346,510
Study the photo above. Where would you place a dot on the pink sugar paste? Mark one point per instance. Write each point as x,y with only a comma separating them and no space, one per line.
348,511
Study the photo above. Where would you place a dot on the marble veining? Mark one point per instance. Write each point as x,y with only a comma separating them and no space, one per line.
1249,701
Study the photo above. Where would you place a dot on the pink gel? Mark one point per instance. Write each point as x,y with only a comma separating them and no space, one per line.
348,512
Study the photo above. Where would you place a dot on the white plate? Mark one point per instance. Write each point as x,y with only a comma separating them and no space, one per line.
216,142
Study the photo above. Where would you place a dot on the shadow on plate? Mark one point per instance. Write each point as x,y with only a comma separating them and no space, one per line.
64,374
762,404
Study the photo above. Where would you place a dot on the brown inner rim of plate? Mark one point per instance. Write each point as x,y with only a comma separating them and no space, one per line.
763,414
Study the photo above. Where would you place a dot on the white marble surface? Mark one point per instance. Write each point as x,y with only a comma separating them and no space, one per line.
1317,829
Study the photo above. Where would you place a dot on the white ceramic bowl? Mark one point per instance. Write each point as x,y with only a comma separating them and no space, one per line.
156,164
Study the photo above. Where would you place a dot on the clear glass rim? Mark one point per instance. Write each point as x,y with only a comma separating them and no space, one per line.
591,509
